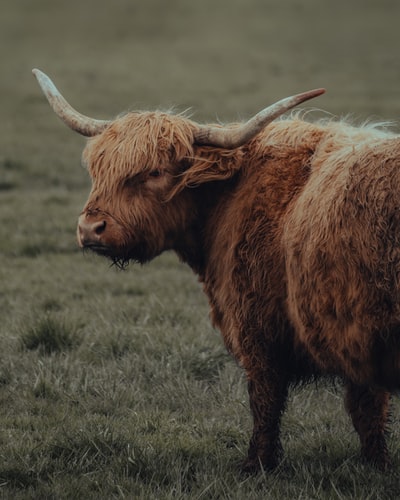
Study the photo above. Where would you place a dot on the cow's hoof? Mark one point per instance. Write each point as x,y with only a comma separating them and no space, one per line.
382,462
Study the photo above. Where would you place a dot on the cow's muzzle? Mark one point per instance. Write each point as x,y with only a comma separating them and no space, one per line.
91,232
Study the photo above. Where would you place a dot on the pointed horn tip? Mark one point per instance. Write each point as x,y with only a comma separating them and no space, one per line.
44,81
37,73
319,91
313,93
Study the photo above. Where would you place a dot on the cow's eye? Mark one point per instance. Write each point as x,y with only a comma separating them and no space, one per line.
155,173
131,182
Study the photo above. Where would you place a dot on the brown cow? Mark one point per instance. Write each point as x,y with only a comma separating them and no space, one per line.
293,230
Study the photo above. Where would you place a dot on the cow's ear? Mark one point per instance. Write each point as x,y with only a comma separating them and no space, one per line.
208,165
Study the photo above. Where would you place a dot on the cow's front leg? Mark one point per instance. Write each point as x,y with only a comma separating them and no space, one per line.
369,408
268,389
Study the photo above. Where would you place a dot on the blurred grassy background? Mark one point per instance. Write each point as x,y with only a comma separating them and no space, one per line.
226,60
129,359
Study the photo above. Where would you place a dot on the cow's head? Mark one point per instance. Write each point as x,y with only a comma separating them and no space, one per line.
141,165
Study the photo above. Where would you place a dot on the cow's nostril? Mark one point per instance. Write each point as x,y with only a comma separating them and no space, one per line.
100,227
90,232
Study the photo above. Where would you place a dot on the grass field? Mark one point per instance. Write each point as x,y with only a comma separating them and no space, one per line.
113,384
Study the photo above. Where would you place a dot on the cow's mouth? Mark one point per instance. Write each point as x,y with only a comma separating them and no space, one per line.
120,257
97,248
117,259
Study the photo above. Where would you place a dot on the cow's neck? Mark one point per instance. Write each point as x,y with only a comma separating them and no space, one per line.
192,247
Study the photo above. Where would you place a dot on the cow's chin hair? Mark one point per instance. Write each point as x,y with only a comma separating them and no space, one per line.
122,257
120,262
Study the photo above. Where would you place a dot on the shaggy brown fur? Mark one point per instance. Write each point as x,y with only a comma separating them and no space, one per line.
295,237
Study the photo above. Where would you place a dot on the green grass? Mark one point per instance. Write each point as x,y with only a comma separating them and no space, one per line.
113,384
142,401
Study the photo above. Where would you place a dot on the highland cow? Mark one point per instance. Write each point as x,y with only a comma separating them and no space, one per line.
292,227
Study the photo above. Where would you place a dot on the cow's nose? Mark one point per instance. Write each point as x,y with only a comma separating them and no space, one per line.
90,231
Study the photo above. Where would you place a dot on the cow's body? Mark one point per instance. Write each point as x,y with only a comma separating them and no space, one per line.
302,260
295,237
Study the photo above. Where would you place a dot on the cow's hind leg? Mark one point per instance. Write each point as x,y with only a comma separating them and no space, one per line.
268,388
369,408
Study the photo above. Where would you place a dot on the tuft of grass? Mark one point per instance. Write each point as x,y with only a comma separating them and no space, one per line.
11,164
7,185
50,334
205,364
35,249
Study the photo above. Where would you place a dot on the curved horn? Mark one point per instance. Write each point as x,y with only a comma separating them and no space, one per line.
75,120
230,138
